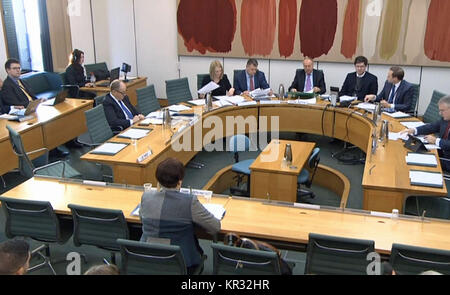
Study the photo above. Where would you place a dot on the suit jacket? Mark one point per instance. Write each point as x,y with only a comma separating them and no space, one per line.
224,85
171,215
240,81
369,85
318,81
13,94
404,95
114,113
438,127
3,108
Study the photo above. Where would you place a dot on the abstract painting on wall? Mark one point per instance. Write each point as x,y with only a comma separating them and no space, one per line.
403,32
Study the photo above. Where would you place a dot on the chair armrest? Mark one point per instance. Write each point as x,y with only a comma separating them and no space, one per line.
37,151
52,164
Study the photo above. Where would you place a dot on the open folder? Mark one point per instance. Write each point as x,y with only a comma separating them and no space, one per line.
109,148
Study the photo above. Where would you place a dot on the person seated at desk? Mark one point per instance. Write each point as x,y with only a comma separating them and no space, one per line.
442,127
250,79
360,83
217,76
14,257
119,111
15,91
396,94
308,79
169,216
75,76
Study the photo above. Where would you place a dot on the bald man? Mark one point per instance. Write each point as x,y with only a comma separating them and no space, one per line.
308,79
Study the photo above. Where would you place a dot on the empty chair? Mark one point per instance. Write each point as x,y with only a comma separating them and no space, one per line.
241,143
26,166
99,227
146,100
38,221
73,89
306,176
229,260
178,91
410,260
431,206
99,99
140,258
200,78
327,255
432,113
415,100
99,130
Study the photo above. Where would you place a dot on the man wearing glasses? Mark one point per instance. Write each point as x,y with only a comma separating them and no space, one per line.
119,112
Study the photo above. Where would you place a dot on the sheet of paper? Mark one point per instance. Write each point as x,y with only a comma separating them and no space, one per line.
397,136
109,148
397,115
217,210
235,99
421,159
152,121
426,178
260,92
197,102
211,86
414,124
247,103
307,101
7,117
432,147
270,102
179,108
347,98
366,106
135,133
222,103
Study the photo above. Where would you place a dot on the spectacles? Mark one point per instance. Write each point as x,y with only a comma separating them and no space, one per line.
16,68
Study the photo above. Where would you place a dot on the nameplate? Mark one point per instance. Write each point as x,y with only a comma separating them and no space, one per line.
94,183
381,214
144,156
307,206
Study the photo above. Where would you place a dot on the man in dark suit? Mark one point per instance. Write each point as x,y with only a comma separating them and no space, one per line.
15,91
250,79
118,109
396,94
308,79
360,83
442,127
170,217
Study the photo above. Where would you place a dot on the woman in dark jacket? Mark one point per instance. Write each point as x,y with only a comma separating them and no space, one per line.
217,75
75,75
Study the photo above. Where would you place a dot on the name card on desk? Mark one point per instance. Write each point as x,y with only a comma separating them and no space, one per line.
144,156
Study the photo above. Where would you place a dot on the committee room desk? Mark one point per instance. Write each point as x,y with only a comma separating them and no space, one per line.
132,86
51,127
386,175
285,226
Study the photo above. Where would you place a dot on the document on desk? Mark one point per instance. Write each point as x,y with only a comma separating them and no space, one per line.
215,209
397,136
427,160
135,133
211,86
432,147
397,115
247,103
235,99
197,102
270,102
151,121
222,102
109,149
412,124
179,108
424,178
264,93
307,101
346,98
366,106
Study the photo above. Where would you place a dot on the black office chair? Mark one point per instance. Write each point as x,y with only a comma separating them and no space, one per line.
306,176
140,258
328,255
178,90
38,221
410,260
429,206
146,100
99,227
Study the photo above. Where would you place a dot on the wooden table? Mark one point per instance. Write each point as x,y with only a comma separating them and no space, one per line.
270,175
132,85
281,225
50,127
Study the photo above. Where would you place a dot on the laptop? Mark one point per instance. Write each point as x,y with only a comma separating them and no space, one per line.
31,108
61,97
114,75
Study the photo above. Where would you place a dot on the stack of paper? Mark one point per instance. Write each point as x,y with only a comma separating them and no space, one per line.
260,93
109,149
427,160
222,103
210,87
366,106
247,103
179,108
412,124
151,121
424,178
135,133
197,102
397,115
397,136
345,98
235,99
270,102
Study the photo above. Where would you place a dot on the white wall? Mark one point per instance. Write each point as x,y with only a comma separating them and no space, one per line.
81,27
152,45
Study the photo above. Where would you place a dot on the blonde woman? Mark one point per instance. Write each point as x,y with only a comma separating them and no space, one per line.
216,74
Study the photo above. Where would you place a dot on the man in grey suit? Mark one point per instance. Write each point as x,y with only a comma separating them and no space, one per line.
441,127
169,216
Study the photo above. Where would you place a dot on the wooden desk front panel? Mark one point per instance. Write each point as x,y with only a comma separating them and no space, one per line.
279,187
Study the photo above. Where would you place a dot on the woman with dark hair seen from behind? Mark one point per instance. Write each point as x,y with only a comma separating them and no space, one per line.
75,76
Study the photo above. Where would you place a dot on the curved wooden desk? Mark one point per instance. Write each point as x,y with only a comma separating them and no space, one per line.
386,175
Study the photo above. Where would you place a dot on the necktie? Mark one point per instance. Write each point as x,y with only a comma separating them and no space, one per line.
24,91
447,131
308,83
127,112
391,98
252,84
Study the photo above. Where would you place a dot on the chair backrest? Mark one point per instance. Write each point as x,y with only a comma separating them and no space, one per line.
229,260
200,78
140,258
178,91
146,100
239,143
432,112
97,124
26,167
98,227
337,256
33,219
415,99
313,163
99,99
410,260
63,76
90,68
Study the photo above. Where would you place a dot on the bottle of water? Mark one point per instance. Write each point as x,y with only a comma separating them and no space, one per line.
93,79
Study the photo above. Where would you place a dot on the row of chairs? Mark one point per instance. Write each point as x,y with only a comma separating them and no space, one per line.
108,230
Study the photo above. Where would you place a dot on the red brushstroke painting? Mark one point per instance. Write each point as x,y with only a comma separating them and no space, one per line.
437,36
318,24
207,25
287,25
351,28
258,24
